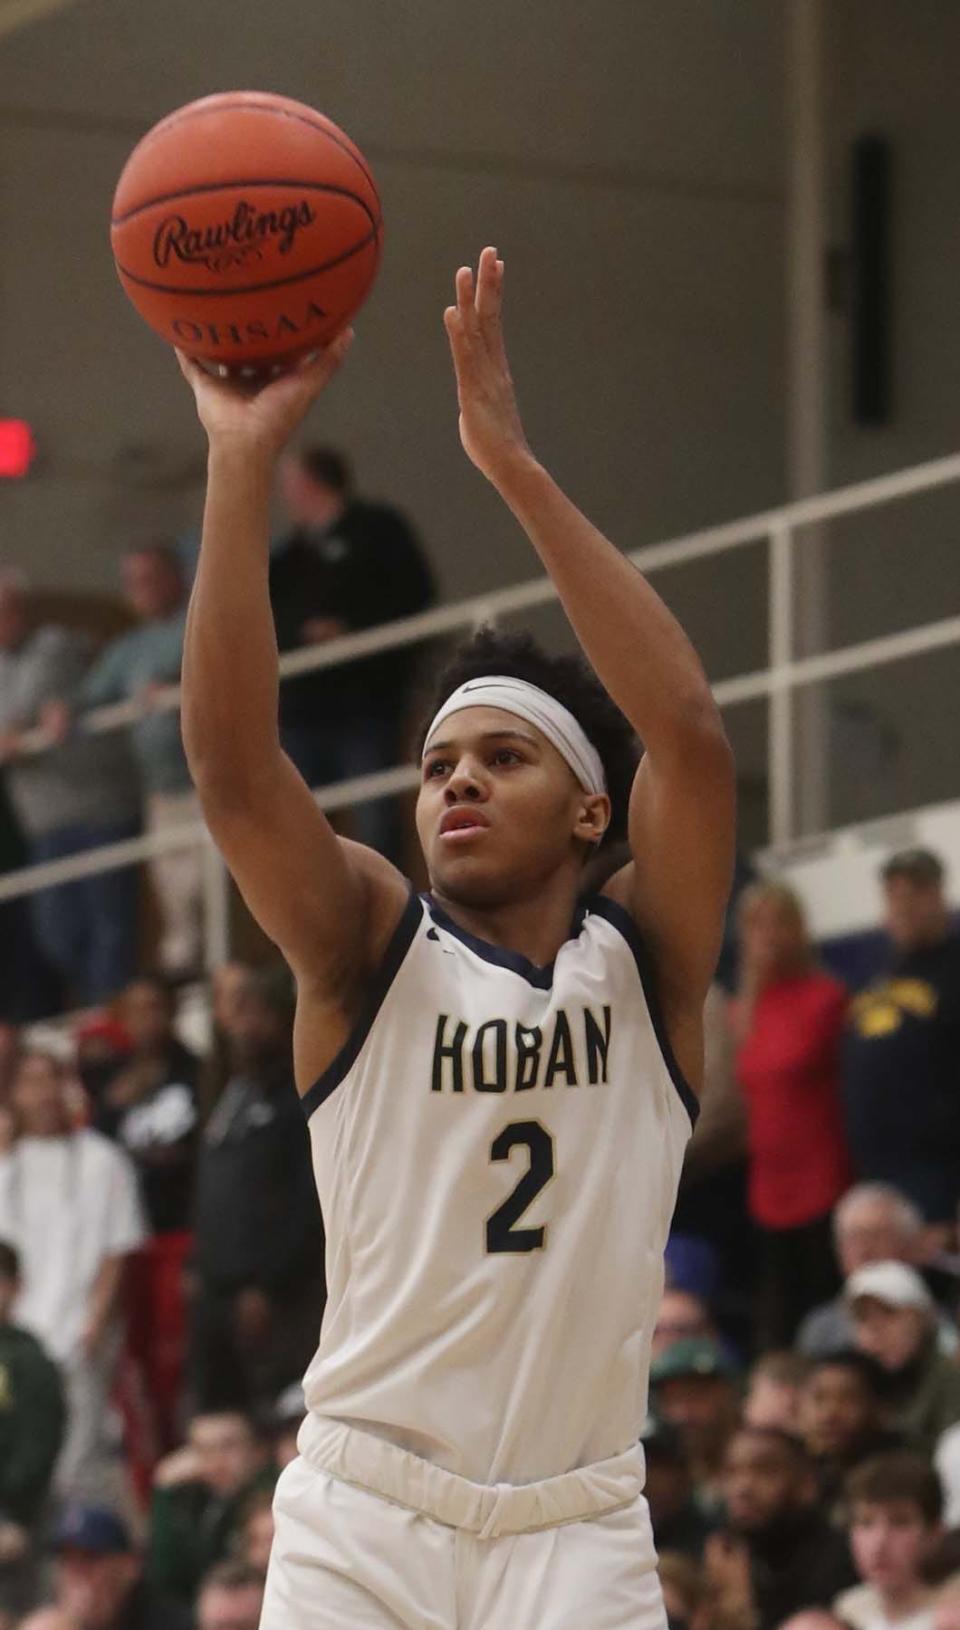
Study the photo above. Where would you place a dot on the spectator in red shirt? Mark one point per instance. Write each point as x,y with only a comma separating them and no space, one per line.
788,1020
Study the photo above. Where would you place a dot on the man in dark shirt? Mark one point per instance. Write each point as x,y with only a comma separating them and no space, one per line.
678,1522
259,1241
779,1553
148,1104
346,565
901,1072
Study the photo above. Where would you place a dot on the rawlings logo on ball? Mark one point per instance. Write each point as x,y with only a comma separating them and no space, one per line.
232,242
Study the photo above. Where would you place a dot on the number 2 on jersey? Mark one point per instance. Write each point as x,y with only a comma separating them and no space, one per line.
501,1233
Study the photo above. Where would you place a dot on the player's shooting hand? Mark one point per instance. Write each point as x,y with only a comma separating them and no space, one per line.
490,426
262,419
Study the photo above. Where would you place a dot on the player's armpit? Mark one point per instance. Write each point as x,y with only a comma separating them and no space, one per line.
682,829
329,905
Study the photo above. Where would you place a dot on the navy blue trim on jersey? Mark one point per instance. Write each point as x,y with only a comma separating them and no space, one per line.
620,919
541,978
400,942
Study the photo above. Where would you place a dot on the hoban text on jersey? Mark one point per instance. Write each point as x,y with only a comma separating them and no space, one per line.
501,1056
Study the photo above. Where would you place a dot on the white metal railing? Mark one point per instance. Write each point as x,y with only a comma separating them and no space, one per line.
779,681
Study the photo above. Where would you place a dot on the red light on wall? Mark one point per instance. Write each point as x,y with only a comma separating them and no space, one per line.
18,449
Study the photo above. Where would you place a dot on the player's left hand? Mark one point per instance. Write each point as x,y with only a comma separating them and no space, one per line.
490,426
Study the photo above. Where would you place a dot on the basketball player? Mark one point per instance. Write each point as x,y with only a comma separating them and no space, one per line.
499,1078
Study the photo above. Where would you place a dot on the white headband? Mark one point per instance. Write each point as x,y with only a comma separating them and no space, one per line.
529,702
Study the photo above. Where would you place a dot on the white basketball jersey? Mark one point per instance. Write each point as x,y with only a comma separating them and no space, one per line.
497,1150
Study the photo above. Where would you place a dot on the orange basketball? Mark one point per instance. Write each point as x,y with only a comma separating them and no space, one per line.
246,229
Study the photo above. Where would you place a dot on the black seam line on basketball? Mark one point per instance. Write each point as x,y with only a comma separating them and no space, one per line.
227,292
258,107
266,181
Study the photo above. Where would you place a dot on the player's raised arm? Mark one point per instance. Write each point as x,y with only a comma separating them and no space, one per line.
682,807
313,894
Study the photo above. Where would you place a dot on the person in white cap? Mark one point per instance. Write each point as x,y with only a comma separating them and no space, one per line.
500,1078
895,1321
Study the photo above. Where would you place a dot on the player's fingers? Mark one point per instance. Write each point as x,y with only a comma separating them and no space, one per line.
317,368
462,353
187,366
466,294
338,347
488,286
328,357
460,336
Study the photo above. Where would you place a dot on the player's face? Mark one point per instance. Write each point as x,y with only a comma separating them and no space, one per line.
499,811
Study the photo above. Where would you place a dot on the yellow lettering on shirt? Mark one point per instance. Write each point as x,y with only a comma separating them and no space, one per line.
914,996
879,1011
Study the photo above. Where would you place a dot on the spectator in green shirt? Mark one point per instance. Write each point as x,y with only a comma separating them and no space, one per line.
200,1499
31,1432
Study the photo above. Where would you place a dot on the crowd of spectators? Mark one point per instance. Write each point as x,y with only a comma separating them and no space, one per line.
803,1442
343,565
161,1292
161,1247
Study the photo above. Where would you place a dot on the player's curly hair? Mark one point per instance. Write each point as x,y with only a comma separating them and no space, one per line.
570,681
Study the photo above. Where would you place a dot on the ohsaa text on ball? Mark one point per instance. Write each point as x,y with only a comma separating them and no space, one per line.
227,335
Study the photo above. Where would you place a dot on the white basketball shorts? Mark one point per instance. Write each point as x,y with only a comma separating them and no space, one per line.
369,1537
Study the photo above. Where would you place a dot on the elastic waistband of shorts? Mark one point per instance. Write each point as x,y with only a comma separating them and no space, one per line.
487,1510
